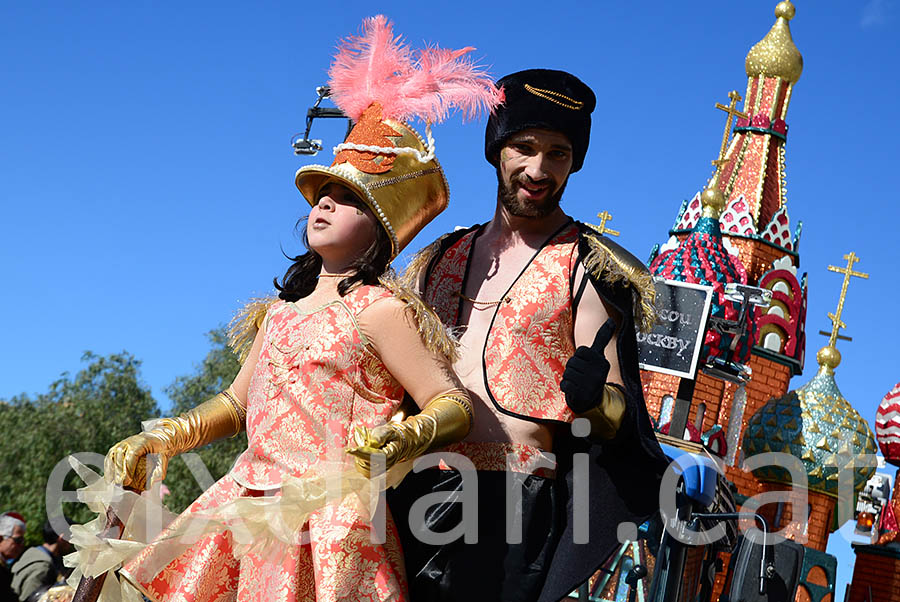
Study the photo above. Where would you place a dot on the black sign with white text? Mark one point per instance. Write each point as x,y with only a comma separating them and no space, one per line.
673,346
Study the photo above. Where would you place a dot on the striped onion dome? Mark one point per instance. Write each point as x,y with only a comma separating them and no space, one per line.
817,424
887,426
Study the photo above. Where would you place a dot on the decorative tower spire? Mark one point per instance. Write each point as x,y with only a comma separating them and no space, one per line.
712,199
751,166
887,426
776,55
887,431
755,167
701,258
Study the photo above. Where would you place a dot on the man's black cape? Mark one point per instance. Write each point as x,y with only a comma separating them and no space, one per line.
624,473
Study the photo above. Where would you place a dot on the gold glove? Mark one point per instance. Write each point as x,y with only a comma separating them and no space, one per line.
219,417
445,419
607,416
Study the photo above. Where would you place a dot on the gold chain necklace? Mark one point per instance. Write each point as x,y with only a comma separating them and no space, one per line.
330,275
476,302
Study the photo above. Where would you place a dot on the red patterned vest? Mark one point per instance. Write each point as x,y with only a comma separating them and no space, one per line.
531,334
316,381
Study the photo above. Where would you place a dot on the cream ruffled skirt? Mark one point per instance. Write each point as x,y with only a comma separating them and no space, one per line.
312,540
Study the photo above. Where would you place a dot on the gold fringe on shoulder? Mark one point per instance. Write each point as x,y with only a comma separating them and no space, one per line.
611,263
246,323
435,335
418,264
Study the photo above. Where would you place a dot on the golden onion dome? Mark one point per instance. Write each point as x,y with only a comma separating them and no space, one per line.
775,55
817,424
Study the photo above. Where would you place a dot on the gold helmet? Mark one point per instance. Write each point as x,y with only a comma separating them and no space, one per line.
380,83
392,170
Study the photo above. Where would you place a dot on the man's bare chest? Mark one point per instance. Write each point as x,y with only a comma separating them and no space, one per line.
488,283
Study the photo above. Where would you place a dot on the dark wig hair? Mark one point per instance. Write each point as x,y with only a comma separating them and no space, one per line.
300,279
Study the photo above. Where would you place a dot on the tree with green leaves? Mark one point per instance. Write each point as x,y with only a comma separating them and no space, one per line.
102,404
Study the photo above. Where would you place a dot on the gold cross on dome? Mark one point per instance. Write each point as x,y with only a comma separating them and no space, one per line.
835,318
732,113
605,216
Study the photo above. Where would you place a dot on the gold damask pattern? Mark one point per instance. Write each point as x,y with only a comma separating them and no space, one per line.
446,281
332,560
316,380
531,338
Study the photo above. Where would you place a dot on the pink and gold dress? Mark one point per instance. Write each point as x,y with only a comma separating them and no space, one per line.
316,379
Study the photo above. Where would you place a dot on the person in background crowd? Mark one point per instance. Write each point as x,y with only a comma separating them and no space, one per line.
12,542
41,565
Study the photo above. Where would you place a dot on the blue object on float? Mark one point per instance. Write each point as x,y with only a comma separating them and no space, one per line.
698,472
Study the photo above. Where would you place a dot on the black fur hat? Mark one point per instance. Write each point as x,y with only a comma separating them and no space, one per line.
542,98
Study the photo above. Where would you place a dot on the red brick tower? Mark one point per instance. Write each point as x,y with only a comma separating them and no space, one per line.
756,234
753,228
738,231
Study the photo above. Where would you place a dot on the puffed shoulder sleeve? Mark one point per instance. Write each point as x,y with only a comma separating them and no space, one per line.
246,323
608,262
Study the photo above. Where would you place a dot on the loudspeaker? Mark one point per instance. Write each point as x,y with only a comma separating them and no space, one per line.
744,572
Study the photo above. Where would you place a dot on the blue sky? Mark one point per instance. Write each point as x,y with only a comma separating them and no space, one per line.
146,177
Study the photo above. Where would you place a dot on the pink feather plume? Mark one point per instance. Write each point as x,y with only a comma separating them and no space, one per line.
428,83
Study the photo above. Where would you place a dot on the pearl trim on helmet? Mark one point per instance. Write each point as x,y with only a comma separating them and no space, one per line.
393,150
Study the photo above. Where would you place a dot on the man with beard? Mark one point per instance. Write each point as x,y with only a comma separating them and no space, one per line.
545,308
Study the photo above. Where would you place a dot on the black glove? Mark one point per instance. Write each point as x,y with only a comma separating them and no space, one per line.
586,372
